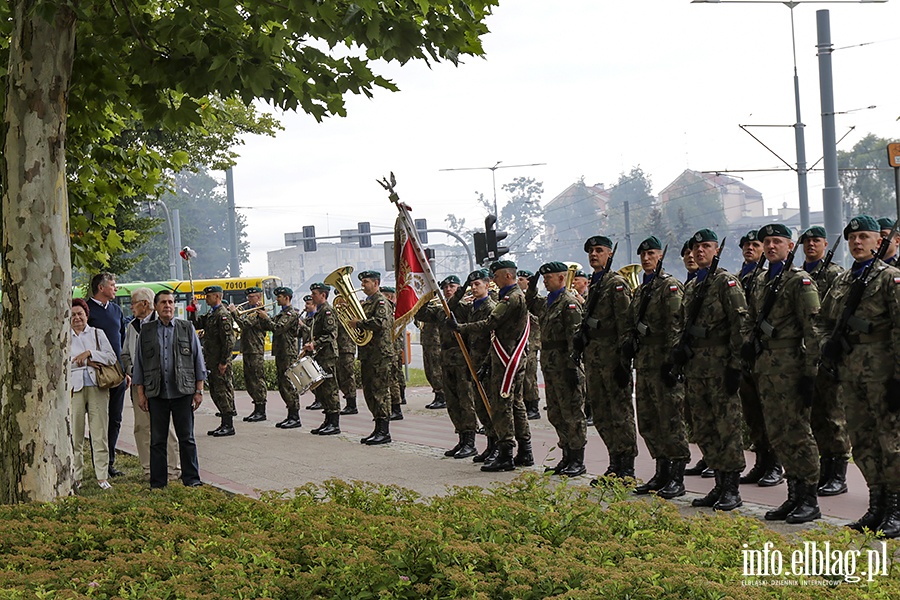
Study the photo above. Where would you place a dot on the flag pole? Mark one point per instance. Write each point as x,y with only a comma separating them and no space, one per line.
388,185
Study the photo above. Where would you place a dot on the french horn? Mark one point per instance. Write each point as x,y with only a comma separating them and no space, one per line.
346,305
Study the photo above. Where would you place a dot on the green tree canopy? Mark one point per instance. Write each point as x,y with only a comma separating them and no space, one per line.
867,183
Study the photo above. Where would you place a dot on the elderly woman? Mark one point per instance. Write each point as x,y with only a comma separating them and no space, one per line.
89,346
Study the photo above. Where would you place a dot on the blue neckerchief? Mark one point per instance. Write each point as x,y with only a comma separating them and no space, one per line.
312,314
479,302
552,296
596,275
285,308
809,267
775,269
747,268
891,260
648,277
701,274
505,291
690,276
213,308
859,267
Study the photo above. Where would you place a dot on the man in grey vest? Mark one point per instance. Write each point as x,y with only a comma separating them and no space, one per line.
168,374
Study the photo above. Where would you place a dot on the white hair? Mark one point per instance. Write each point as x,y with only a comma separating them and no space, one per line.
143,293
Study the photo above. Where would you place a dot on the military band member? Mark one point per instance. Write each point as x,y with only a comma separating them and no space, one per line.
608,378
886,224
218,344
322,346
376,357
659,396
784,353
430,339
712,370
829,425
346,371
581,283
531,394
398,379
700,468
560,318
869,373
253,352
286,328
308,314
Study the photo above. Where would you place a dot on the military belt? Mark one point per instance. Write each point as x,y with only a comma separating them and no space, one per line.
558,345
710,342
782,344
869,338
596,334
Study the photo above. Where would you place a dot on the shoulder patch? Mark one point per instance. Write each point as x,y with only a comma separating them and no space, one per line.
673,288
896,279
571,306
619,288
806,281
381,302
732,283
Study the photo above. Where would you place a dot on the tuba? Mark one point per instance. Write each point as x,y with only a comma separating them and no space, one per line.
632,274
346,305
574,267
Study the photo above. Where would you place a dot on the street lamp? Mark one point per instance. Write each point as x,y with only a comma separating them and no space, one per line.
799,138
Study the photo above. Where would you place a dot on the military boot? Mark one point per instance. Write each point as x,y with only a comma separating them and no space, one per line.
708,473
826,469
675,486
292,421
458,445
532,411
626,467
225,429
382,433
503,460
712,497
696,469
793,499
438,401
576,463
731,495
613,467
402,395
258,414
757,471
316,405
558,467
467,445
524,455
491,447
837,481
588,415
396,413
350,409
774,472
332,424
807,508
890,525
366,439
320,427
658,481
875,514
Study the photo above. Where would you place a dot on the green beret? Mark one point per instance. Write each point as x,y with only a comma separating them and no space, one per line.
307,298
816,231
580,273
750,236
774,230
524,273
449,280
651,243
388,289
686,248
553,267
885,223
861,223
482,274
320,287
212,289
704,235
369,275
597,240
253,290
502,264
284,291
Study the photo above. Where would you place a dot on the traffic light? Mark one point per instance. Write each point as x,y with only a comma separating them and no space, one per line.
481,252
422,230
309,235
493,236
365,241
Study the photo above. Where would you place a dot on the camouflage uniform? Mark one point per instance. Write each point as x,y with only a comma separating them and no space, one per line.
478,343
531,395
323,333
345,363
398,379
749,393
430,339
376,357
253,353
218,343
287,329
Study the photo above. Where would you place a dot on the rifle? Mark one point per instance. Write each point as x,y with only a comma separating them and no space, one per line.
825,262
641,328
683,348
762,326
593,298
748,289
836,343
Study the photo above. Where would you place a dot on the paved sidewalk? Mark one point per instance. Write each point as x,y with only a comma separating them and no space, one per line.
261,457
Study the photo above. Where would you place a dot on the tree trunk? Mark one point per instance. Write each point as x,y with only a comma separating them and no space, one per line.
35,432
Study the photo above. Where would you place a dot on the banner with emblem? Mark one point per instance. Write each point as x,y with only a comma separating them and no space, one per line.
415,281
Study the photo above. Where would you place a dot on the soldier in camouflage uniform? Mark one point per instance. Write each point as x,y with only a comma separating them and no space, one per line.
829,425
253,353
608,378
560,318
886,224
868,372
712,370
659,399
510,323
307,316
376,357
398,378
322,346
430,340
345,369
287,329
783,353
218,344
531,395
700,468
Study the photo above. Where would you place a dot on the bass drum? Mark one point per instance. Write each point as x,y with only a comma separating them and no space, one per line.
306,374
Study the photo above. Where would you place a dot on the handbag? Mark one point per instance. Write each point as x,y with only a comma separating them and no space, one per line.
108,376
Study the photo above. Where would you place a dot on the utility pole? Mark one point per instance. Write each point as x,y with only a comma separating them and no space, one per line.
235,267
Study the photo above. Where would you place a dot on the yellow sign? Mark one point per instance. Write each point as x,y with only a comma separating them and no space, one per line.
894,155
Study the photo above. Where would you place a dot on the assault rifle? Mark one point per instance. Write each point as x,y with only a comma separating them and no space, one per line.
683,352
762,326
748,289
581,337
826,262
641,328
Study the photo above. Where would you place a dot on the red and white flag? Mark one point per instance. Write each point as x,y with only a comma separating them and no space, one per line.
415,281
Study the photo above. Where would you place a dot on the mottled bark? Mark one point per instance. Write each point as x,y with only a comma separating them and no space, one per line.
35,438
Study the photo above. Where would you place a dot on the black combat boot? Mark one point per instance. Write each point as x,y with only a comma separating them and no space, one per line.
532,411
675,486
438,401
658,481
332,424
316,405
382,433
576,463
708,473
757,471
258,414
875,514
225,429
320,427
491,447
467,445
807,508
613,467
524,455
455,448
366,439
696,469
731,495
774,472
793,499
402,395
350,409
712,497
836,484
396,413
826,469
292,421
588,415
890,525
626,467
504,459
558,467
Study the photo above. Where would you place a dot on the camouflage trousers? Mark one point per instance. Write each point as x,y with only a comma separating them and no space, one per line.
458,391
398,381
565,405
829,425
530,393
327,391
376,377
612,406
346,379
874,431
717,422
221,388
508,417
286,388
752,408
660,416
787,425
431,358
255,377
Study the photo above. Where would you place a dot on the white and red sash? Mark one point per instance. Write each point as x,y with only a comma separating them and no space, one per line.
510,363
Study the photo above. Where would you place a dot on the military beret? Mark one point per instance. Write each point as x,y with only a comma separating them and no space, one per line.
885,223
750,236
369,275
580,273
553,267
502,264
861,223
320,287
483,274
254,290
450,280
774,230
704,235
686,248
284,291
212,289
524,273
307,298
816,231
597,240
651,243
388,289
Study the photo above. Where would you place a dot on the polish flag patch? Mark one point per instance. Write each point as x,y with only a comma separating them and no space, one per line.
732,283
673,288
808,282
896,279
619,288
571,306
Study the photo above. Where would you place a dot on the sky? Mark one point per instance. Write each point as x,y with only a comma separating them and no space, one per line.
590,88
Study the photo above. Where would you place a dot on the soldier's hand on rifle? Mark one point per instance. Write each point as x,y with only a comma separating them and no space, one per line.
667,375
732,380
893,395
484,372
622,375
806,388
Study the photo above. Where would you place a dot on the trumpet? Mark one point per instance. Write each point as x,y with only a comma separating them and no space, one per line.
244,311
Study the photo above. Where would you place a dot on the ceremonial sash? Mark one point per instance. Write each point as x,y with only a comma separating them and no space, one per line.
510,363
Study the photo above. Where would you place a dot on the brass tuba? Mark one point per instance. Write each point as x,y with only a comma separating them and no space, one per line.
574,267
346,305
632,274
